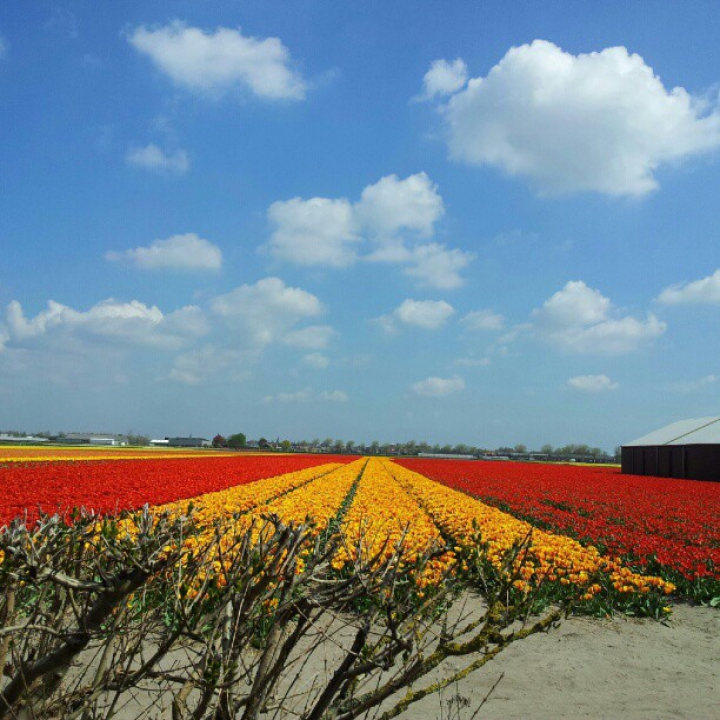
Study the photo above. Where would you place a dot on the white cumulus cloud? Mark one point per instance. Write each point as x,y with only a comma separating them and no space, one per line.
392,205
592,383
437,387
109,321
155,159
703,291
426,314
444,78
437,266
179,252
265,312
318,231
601,121
580,319
220,61
390,223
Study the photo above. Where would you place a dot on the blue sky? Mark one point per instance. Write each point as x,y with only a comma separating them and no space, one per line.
453,222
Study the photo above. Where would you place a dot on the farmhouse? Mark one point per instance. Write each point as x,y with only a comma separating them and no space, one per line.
684,449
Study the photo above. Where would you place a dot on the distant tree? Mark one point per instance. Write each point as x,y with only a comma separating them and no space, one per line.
238,440
219,441
349,446
338,446
520,448
286,446
374,447
618,454
446,449
574,450
263,443
546,449
134,439
461,449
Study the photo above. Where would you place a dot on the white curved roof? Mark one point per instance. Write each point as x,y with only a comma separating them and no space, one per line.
702,431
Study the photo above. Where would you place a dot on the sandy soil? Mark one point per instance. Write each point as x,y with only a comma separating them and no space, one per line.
587,668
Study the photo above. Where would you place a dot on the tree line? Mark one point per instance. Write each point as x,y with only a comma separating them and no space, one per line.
411,447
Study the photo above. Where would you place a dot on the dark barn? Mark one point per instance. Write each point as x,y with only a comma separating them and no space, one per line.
685,449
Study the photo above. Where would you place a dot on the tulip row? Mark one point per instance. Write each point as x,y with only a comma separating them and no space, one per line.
394,509
667,526
316,501
555,558
239,499
380,508
64,454
108,487
383,519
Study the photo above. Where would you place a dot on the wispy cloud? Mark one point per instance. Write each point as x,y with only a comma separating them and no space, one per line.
438,387
691,386
153,158
179,252
592,383
307,395
217,62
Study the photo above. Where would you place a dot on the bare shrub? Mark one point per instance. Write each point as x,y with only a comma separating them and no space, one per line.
140,616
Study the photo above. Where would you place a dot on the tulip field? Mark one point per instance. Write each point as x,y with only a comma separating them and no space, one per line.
104,483
609,539
663,526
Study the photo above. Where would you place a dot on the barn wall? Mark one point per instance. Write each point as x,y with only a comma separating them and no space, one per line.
693,462
626,461
703,462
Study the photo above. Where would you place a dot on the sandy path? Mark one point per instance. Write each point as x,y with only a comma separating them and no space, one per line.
587,668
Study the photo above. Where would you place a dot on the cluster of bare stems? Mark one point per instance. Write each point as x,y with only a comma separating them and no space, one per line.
96,622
